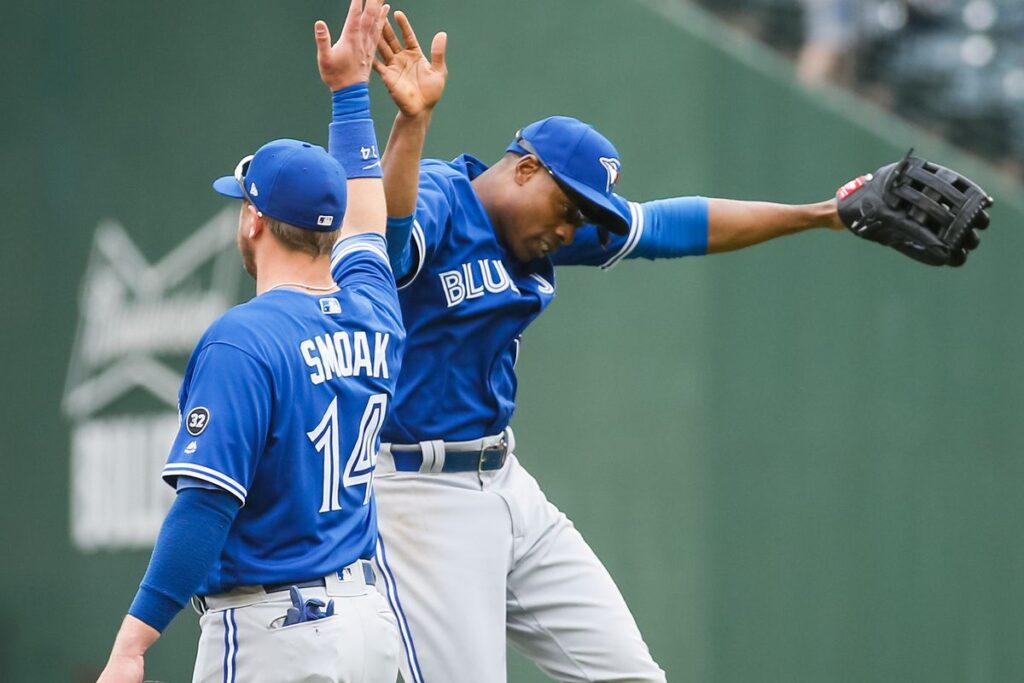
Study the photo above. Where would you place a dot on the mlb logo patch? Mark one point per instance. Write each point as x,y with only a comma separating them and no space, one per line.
330,306
325,220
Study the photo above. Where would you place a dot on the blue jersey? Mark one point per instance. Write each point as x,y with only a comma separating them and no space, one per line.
282,404
468,300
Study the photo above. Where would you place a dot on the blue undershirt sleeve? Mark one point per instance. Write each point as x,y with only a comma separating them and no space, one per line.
672,228
399,236
665,228
193,483
190,540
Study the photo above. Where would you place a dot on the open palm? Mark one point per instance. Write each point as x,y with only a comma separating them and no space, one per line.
415,83
348,61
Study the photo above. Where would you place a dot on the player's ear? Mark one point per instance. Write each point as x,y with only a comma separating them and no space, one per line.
526,167
254,219
257,225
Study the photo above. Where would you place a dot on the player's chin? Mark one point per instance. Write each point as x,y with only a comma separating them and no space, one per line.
538,250
525,253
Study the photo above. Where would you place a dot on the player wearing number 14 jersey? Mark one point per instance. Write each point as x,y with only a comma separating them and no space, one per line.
282,403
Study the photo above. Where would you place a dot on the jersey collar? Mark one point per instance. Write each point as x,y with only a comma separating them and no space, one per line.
470,165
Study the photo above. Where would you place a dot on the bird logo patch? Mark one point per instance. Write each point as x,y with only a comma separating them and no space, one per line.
612,168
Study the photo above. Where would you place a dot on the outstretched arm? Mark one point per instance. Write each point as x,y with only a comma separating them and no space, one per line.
734,224
345,69
694,226
928,212
416,86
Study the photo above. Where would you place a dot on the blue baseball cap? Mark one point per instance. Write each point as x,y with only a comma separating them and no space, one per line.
583,163
293,181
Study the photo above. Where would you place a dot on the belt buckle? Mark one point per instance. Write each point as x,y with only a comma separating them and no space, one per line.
500,446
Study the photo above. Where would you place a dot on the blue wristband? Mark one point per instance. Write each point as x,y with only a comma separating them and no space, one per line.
354,145
351,103
352,139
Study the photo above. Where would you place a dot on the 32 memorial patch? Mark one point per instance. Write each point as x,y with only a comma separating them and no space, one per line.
196,420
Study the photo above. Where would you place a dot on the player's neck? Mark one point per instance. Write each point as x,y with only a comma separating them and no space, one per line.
487,187
287,268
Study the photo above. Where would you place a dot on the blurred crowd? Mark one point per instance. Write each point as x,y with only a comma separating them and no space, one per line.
954,66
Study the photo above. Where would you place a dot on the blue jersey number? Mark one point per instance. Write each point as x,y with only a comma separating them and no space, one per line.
358,468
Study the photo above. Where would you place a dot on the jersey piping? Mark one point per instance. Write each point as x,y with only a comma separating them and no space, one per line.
419,241
206,474
636,231
339,254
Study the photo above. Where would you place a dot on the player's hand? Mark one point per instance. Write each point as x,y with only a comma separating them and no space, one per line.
415,83
348,61
122,669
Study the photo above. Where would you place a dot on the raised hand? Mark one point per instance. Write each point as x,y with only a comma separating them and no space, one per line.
415,84
349,60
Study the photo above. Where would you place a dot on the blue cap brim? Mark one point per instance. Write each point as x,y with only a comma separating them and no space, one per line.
599,204
228,186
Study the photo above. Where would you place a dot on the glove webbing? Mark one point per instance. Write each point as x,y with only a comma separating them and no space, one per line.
933,192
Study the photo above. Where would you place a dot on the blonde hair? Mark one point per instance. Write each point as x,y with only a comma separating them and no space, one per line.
312,242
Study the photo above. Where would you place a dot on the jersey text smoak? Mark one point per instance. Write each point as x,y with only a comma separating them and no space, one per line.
282,405
344,354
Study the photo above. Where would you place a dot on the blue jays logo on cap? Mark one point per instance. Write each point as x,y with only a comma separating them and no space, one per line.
296,182
612,166
582,161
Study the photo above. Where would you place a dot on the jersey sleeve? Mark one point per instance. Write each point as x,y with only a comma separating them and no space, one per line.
225,417
361,260
434,201
666,228
360,264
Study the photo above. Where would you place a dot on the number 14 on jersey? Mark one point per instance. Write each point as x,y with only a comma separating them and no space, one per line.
358,467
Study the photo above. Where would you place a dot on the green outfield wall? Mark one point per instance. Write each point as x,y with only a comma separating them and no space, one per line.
800,463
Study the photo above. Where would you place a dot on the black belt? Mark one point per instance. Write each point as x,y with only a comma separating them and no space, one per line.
199,601
483,459
368,575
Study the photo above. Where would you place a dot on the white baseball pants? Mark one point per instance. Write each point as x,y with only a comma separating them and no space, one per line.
469,559
242,640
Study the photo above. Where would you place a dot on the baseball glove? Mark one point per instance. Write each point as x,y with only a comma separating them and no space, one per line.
925,211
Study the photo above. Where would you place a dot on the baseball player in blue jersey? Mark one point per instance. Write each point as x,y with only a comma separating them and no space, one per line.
282,404
471,551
